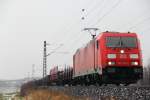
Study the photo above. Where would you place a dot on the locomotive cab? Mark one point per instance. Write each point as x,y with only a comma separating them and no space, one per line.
121,57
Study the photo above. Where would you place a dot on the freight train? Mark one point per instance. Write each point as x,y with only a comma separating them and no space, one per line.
110,58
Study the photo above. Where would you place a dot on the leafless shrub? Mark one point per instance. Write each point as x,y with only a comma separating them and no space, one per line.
146,76
44,94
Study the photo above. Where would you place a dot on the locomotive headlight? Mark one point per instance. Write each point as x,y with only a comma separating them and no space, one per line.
134,63
111,55
134,56
111,63
121,51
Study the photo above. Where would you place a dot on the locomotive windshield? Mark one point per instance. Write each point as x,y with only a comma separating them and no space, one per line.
129,42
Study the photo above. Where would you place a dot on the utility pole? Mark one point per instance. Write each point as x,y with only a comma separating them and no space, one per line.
44,62
45,55
93,37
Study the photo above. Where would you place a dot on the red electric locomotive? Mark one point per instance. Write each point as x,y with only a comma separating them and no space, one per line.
111,57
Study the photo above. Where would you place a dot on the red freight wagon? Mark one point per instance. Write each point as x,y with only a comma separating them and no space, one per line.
67,75
111,57
61,76
54,74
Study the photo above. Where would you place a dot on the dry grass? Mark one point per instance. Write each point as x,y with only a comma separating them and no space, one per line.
43,94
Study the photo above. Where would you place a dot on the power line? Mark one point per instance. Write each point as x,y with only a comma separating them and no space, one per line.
72,36
75,40
113,7
79,36
72,26
79,21
135,19
54,50
100,6
132,27
101,19
94,8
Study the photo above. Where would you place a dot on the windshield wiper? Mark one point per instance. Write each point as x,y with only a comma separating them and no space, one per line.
122,44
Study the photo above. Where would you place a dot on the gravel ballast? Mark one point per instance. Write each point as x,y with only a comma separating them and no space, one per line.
102,92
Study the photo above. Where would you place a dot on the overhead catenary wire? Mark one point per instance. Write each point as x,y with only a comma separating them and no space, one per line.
90,16
54,50
97,4
72,36
68,38
107,13
80,33
69,29
132,20
72,44
94,8
72,25
142,29
77,40
76,22
139,23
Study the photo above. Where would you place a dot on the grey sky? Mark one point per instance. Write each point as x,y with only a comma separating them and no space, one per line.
25,24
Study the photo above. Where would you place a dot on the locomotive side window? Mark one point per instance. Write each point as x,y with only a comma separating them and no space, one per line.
129,42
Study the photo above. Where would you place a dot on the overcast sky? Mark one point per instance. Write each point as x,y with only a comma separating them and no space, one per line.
25,24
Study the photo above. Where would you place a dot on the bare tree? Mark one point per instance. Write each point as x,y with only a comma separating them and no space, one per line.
146,75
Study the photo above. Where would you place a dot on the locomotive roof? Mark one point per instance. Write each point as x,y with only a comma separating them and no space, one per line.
118,34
